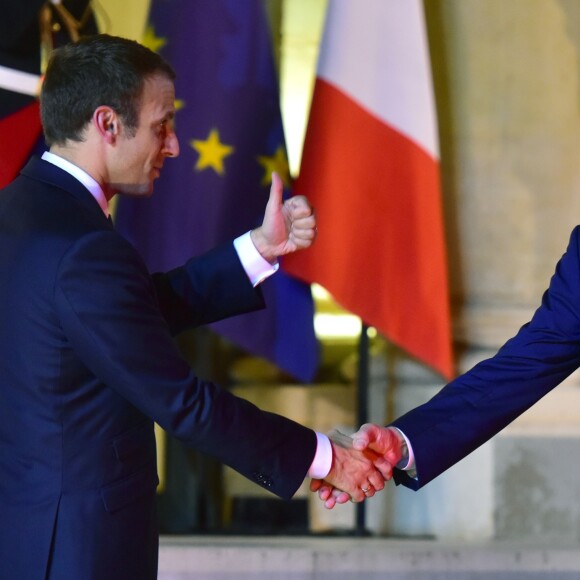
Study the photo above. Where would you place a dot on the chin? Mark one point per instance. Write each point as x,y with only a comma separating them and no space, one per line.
135,189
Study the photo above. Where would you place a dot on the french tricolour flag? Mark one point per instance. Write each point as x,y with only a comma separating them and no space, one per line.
370,166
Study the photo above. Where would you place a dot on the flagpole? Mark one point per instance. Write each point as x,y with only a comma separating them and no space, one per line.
362,412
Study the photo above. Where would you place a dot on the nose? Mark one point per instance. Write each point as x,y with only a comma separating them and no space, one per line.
171,145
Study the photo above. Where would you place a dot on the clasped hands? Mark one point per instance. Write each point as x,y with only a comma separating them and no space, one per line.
361,464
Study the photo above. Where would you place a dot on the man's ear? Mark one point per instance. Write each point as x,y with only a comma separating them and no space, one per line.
107,123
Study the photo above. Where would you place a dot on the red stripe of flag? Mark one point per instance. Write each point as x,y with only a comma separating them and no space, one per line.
19,134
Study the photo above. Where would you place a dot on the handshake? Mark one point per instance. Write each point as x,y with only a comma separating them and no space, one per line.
361,464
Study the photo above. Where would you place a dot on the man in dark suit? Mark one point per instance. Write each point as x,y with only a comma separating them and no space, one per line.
87,360
474,407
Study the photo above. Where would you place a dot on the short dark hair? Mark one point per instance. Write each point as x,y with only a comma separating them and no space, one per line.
97,70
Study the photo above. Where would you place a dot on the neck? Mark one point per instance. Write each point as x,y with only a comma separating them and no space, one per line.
85,160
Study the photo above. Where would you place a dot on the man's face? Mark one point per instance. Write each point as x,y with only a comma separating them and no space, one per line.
139,158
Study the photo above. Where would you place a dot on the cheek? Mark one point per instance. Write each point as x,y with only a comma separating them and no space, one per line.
155,148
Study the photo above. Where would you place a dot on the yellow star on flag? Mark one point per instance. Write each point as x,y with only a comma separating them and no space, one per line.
212,152
151,40
278,163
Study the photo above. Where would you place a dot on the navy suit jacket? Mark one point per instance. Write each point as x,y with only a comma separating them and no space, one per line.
477,405
87,364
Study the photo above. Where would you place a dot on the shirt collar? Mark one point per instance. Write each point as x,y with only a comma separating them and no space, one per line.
93,187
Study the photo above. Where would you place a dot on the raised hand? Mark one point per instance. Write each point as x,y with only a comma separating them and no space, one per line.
288,225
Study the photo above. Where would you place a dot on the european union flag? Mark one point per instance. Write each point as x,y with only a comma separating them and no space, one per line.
231,135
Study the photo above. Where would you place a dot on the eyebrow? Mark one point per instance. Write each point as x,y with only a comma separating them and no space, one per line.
169,116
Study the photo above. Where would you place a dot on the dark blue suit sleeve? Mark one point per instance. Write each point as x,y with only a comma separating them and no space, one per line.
109,312
208,288
477,405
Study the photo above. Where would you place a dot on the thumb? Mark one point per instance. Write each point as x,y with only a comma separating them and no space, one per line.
366,435
276,190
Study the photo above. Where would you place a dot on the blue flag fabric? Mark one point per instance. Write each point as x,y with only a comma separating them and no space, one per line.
231,136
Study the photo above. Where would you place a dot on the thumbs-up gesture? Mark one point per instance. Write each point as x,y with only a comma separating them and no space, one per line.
287,226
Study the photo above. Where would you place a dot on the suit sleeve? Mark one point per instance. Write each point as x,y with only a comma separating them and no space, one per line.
477,405
206,289
109,312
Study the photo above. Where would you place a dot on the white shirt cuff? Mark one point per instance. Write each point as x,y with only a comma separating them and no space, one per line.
411,462
254,265
322,461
